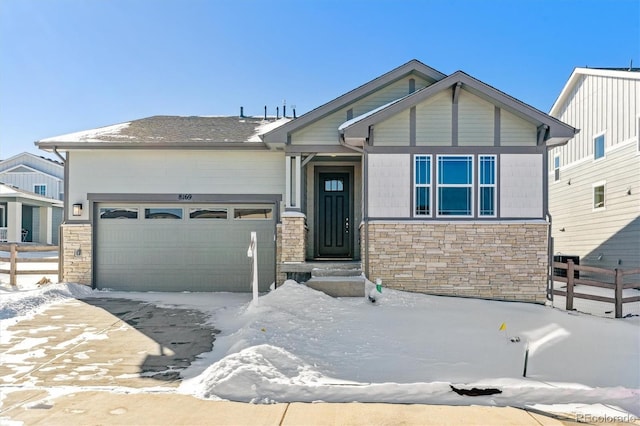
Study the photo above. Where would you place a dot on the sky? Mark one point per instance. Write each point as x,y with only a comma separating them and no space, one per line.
72,65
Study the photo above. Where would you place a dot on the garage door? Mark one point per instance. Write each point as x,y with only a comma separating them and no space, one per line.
150,247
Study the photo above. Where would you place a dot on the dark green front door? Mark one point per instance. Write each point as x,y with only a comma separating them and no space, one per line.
334,216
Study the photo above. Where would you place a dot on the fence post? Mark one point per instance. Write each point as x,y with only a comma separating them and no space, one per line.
619,286
13,265
570,285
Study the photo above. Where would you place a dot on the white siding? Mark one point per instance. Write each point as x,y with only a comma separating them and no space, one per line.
170,171
599,104
521,186
433,120
613,232
475,120
325,130
26,181
393,131
514,131
389,185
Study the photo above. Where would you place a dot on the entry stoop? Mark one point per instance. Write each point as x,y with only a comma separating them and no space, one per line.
337,279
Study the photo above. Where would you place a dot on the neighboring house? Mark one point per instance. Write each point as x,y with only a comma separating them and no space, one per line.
30,207
594,181
437,183
28,217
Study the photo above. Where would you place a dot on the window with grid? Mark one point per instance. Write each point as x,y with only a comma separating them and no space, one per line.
40,190
455,185
487,185
422,184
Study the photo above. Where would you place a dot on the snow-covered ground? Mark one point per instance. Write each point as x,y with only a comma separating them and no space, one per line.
297,344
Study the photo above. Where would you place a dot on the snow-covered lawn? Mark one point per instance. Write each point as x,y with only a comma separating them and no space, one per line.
297,344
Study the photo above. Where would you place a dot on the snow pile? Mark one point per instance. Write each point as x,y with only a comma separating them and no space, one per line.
21,303
93,135
301,345
266,127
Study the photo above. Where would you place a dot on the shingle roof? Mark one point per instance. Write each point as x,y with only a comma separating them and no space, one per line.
174,130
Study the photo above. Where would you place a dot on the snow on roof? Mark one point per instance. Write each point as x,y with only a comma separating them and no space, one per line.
267,126
93,135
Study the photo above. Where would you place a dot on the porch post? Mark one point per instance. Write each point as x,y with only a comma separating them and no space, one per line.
287,184
14,221
298,192
46,216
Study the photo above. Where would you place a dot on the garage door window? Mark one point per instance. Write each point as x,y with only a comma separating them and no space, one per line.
253,213
118,213
162,213
202,213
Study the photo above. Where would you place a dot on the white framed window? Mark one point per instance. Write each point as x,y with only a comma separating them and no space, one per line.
598,147
487,185
599,198
454,195
40,189
556,168
422,185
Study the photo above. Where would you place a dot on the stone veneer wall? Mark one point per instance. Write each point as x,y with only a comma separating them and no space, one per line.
505,261
291,240
76,268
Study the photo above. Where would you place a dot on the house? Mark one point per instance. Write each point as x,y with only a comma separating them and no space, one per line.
435,183
30,199
594,182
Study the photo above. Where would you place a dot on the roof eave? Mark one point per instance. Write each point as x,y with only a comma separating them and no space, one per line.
70,146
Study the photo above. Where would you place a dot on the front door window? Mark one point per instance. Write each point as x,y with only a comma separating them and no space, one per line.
334,215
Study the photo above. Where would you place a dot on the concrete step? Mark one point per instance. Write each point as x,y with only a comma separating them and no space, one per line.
356,271
338,286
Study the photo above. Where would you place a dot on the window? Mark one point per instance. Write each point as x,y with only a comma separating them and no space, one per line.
211,213
556,168
118,213
422,183
598,147
253,213
40,190
598,196
333,185
455,185
163,213
487,185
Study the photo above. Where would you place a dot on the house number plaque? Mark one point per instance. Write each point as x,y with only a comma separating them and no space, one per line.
185,197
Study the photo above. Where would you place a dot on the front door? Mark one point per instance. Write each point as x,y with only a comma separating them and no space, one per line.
334,214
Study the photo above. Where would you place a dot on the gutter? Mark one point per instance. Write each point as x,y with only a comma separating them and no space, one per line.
55,151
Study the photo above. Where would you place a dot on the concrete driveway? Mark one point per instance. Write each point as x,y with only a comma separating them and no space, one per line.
104,342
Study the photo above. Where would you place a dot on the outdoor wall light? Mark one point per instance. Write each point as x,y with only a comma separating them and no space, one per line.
77,209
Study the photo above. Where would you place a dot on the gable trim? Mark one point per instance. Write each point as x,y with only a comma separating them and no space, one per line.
412,67
17,166
558,132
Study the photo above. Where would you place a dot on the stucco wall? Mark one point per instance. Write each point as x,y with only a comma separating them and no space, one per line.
500,260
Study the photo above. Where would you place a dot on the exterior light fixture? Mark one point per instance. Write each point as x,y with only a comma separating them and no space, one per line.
77,210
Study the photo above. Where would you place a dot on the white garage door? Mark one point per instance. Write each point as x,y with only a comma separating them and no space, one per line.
150,247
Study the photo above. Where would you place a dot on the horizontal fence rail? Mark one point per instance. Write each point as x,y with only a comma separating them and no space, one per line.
14,260
617,286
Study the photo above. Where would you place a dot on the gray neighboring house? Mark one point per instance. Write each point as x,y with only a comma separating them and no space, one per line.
594,181
434,183
31,199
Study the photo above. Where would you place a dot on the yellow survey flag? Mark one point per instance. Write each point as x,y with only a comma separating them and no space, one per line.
503,326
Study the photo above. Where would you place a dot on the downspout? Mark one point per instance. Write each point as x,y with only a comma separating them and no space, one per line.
55,151
541,135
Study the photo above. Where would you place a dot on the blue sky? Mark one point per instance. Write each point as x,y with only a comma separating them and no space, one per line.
70,65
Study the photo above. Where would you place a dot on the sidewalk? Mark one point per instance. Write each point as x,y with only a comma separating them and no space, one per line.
104,408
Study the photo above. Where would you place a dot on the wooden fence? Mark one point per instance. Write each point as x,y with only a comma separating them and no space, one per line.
13,260
617,286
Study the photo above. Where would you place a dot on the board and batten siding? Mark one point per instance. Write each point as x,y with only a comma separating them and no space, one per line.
325,130
597,105
521,186
172,171
612,231
389,189
26,180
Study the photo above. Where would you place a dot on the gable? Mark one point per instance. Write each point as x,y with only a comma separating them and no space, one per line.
20,169
325,130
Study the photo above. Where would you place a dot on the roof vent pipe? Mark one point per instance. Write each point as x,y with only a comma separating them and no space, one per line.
241,111
284,109
277,113
265,112
294,111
